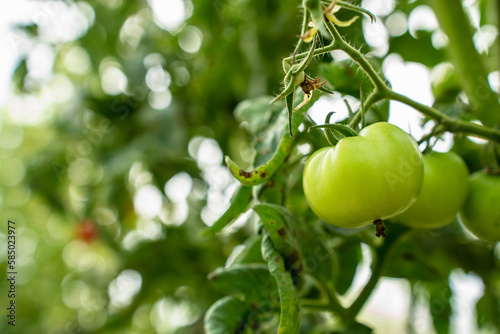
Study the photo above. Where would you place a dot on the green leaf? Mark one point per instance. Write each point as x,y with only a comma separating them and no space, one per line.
255,114
488,311
330,134
262,173
250,281
266,170
439,305
410,262
424,256
476,257
357,328
290,309
30,29
318,259
225,316
349,254
344,130
239,204
275,218
445,85
19,75
273,192
250,253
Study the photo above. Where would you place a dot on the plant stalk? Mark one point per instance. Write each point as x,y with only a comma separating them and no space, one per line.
468,63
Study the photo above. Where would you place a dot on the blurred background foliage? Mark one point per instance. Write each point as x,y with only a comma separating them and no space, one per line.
112,157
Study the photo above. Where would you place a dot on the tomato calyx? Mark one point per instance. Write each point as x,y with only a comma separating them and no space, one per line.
334,132
380,228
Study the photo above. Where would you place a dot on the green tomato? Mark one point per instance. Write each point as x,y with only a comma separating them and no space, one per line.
481,211
375,175
446,179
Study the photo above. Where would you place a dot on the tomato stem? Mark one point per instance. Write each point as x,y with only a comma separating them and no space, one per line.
469,64
492,171
382,91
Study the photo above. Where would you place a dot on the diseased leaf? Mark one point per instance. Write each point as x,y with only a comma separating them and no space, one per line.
275,218
264,172
272,149
273,192
289,301
318,259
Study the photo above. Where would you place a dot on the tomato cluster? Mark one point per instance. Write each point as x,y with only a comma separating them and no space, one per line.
381,174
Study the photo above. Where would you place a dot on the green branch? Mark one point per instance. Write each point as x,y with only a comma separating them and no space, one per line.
382,91
374,97
449,123
340,44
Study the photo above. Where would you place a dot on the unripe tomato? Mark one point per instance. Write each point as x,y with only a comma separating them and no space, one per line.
481,211
446,179
375,175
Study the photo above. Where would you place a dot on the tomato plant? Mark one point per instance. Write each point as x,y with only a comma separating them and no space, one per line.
443,192
114,133
481,211
373,176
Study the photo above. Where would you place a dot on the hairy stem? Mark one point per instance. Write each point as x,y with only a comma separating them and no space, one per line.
449,123
340,44
373,98
382,91
468,63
